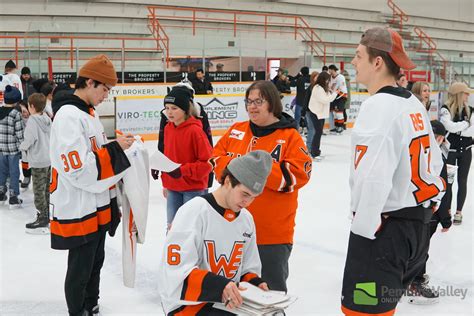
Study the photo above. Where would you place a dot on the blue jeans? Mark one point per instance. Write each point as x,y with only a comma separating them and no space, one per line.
297,114
10,167
176,199
310,126
318,124
331,120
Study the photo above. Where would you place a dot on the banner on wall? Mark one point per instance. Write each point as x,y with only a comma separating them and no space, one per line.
141,114
129,90
233,76
136,77
223,76
138,115
61,77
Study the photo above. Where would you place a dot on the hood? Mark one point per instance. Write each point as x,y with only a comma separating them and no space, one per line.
67,97
5,111
190,121
43,121
26,81
286,121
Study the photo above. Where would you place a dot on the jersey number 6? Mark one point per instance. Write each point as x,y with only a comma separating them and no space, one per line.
174,258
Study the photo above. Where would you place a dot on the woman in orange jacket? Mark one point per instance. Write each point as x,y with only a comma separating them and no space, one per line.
274,210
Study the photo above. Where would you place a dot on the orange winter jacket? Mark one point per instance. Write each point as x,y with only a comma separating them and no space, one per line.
274,210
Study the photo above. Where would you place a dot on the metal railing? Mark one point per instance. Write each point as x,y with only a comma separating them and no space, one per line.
72,47
424,38
398,14
159,34
231,20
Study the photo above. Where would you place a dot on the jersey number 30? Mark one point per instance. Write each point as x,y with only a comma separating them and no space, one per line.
72,161
425,191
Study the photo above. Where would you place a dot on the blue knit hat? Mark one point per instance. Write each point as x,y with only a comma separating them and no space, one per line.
11,95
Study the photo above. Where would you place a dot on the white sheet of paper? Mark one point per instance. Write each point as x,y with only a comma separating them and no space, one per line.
254,294
160,162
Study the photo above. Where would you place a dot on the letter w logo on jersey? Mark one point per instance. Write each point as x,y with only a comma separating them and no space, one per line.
221,265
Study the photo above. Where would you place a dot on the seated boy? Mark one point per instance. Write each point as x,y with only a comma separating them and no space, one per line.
211,245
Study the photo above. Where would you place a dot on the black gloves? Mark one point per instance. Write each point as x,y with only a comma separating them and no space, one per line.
176,173
155,174
115,216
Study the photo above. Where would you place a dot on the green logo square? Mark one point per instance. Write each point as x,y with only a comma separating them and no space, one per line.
365,294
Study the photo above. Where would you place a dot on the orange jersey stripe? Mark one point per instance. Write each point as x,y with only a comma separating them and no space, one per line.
195,279
104,216
130,231
190,310
349,312
74,229
249,276
106,169
82,228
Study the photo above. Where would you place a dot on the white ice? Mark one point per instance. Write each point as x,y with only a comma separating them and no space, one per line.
32,274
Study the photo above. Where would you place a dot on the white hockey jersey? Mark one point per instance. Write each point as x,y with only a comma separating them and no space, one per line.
135,196
396,161
10,79
339,84
85,169
205,249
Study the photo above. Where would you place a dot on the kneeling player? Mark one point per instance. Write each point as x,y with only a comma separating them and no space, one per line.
211,245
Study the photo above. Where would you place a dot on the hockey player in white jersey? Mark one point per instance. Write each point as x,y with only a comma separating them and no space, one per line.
394,179
10,78
84,170
211,245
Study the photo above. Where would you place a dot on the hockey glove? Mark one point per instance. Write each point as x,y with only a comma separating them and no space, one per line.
115,216
155,174
176,173
446,222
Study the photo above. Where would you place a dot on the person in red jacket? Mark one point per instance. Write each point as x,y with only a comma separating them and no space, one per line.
274,211
187,144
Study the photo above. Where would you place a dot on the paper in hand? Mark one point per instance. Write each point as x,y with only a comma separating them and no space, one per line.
160,162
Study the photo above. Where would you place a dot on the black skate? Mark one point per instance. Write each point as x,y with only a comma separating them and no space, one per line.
15,202
93,312
3,198
25,183
419,293
39,227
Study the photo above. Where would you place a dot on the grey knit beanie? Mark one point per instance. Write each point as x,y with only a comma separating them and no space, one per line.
252,169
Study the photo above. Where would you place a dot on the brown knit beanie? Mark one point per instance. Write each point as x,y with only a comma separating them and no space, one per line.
101,69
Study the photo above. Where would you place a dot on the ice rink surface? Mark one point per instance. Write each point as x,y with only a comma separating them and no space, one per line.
32,274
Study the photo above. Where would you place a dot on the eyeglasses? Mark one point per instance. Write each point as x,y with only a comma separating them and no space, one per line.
257,102
106,87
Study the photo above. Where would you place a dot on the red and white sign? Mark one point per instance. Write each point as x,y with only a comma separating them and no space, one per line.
418,75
